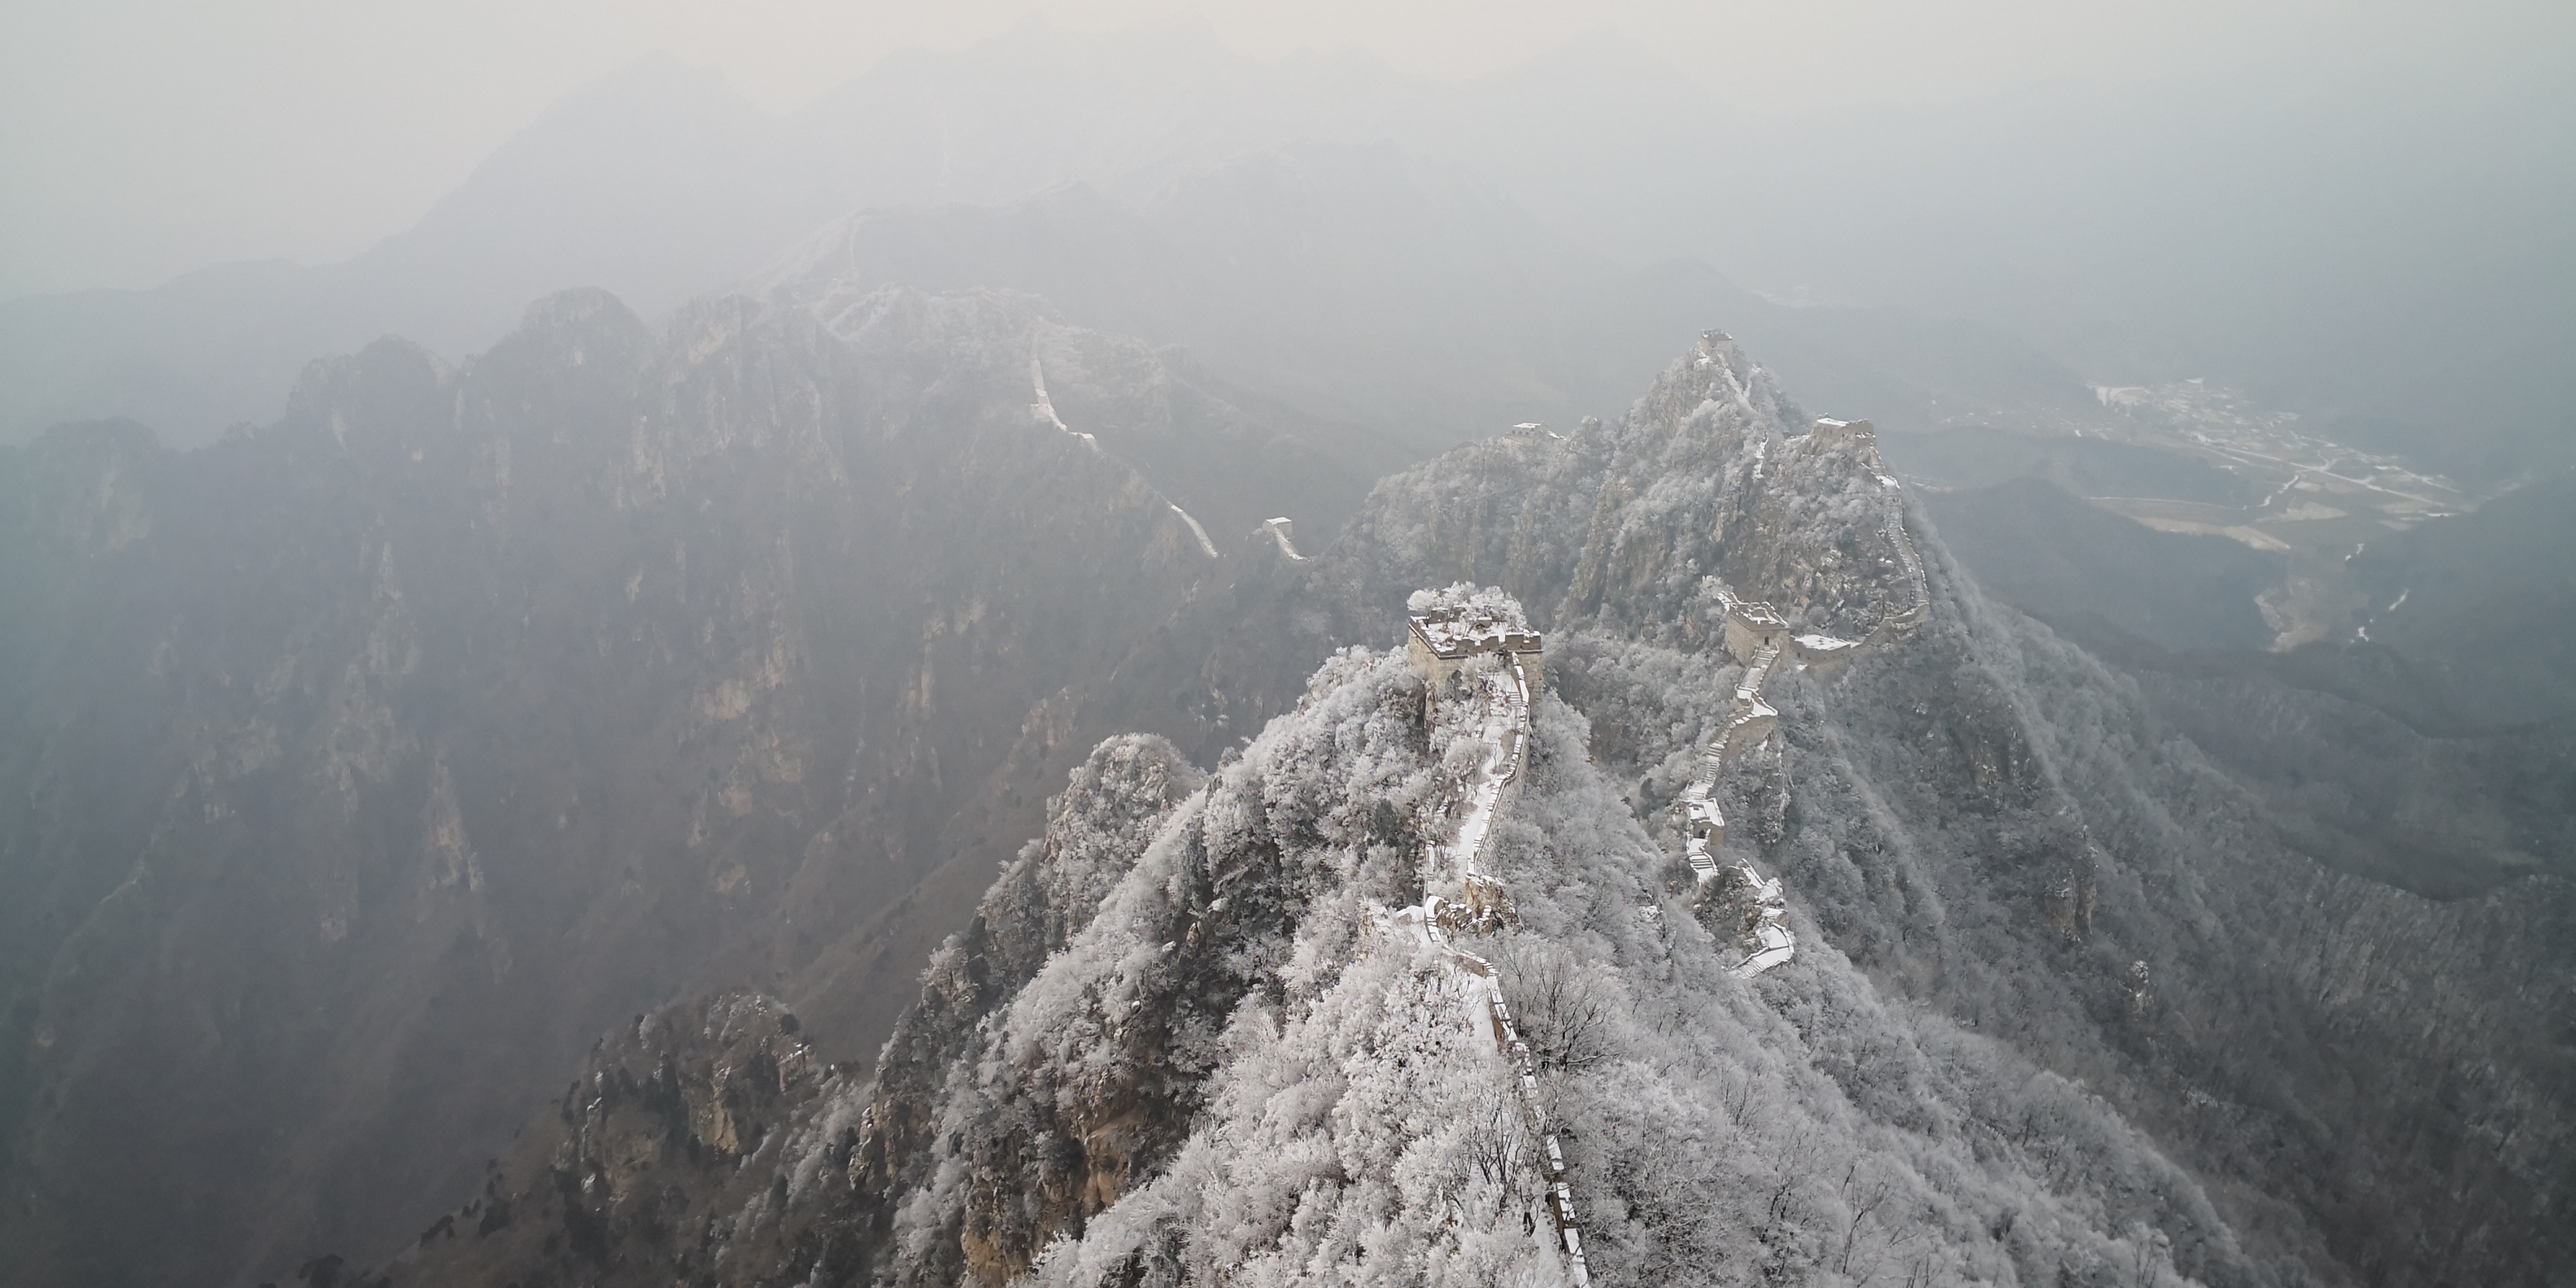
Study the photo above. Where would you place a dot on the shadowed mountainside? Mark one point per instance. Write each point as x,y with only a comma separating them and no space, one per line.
364,763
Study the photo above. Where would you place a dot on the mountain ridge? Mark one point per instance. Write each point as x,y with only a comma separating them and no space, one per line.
2041,921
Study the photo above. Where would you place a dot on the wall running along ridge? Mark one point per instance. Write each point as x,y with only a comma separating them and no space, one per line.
1043,412
1460,892
1757,635
1505,680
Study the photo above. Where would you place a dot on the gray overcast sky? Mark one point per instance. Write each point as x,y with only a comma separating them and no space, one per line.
141,138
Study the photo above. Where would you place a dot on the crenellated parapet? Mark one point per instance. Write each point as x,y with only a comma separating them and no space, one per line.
1757,635
1905,618
1858,439
1749,719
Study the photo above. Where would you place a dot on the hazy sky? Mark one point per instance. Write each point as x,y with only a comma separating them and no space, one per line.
141,138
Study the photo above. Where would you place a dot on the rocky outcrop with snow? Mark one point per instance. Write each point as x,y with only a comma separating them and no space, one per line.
1237,1070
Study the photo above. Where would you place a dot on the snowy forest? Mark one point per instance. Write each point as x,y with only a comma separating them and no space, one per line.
1078,645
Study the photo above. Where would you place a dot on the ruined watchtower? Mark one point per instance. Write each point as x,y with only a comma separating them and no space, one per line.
1282,530
1451,629
1751,626
1828,432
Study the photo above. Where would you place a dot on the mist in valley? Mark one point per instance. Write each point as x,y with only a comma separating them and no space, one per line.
1103,644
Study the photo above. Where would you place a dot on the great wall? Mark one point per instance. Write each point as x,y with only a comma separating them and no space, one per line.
1758,637
1480,642
1042,410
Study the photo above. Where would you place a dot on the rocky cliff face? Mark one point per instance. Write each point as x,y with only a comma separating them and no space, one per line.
360,766
2066,1008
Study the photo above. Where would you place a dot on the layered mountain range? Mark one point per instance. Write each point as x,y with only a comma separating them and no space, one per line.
824,766
382,758
688,678
2136,233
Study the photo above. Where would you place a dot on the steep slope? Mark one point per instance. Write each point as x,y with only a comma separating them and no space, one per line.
2484,602
1242,1070
2001,786
2420,750
1964,844
365,763
2064,1008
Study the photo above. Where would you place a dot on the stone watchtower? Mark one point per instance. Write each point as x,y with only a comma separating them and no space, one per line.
1751,626
1460,627
1828,432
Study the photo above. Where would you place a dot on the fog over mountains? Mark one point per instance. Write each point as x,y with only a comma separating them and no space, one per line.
731,706
2256,233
